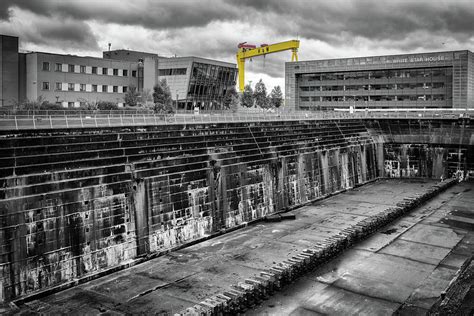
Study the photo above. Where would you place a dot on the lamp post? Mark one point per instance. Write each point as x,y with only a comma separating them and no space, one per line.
177,97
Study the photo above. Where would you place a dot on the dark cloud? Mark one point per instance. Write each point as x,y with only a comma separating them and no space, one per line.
191,27
330,21
146,13
59,34
67,31
337,21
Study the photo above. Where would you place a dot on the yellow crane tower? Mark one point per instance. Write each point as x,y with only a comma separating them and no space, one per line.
248,51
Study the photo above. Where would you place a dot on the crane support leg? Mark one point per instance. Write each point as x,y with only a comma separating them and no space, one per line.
294,55
241,66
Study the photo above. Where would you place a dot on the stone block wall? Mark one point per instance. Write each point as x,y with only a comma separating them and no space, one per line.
75,203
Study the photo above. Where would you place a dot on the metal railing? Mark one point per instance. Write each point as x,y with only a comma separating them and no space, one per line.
117,119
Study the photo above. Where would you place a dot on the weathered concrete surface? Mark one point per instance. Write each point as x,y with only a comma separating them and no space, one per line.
76,203
403,269
183,278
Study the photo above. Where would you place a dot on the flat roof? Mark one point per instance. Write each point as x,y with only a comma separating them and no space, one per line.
384,56
197,59
77,56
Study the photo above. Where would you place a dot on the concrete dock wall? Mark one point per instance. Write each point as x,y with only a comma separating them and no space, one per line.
78,202
75,203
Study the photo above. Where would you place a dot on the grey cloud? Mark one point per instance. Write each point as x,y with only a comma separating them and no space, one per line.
400,25
330,21
335,21
146,13
63,34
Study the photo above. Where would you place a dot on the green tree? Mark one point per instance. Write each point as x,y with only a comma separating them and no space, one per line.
247,96
132,96
276,97
260,95
162,98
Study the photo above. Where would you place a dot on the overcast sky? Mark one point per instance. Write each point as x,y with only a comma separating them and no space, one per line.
213,28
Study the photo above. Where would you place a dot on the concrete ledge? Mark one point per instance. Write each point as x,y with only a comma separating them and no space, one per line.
246,294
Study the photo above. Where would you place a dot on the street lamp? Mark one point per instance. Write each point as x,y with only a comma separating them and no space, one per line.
177,97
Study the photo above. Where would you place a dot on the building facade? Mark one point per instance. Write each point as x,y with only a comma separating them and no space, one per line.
197,82
426,80
74,81
9,70
193,81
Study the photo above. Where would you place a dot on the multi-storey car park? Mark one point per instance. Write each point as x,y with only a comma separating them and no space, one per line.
425,80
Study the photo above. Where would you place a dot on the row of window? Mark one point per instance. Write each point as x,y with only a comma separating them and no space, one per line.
83,87
381,74
395,86
213,72
172,72
83,69
424,97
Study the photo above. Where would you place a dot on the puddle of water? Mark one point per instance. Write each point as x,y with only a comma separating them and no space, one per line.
389,231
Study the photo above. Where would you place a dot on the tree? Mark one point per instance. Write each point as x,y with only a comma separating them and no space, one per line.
162,98
276,97
260,95
234,103
146,97
247,96
106,106
230,95
132,96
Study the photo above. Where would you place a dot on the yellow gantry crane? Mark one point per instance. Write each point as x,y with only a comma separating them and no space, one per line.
248,51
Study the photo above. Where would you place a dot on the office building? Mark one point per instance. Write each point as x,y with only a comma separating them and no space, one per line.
193,81
425,80
75,81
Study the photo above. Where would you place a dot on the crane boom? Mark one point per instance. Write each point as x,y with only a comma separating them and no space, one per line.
244,53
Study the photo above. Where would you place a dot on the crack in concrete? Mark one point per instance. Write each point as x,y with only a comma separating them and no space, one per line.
161,287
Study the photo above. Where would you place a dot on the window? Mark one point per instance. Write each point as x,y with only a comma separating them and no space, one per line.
70,104
70,86
45,66
181,71
115,88
82,87
125,73
164,72
94,70
45,85
83,69
59,67
134,73
125,88
104,88
59,86
115,72
94,88
104,71
82,104
70,68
